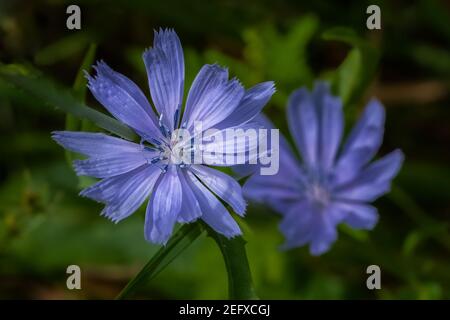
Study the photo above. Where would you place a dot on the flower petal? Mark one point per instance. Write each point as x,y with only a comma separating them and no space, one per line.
360,216
348,167
250,106
231,146
164,207
124,100
223,186
296,225
323,236
165,69
129,194
109,165
284,186
214,213
264,189
212,98
305,223
106,189
190,209
367,133
94,144
373,181
304,125
331,125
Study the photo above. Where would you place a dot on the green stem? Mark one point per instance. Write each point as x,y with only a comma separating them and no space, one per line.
240,284
177,244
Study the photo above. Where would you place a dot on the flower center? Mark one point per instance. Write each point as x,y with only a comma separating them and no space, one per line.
316,188
172,149
318,194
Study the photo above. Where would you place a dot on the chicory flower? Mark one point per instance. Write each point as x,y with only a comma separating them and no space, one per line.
332,184
156,168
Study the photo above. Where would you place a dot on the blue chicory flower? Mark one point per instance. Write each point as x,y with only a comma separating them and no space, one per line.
132,172
331,185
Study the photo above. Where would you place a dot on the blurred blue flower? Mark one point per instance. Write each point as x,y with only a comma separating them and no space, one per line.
331,185
132,172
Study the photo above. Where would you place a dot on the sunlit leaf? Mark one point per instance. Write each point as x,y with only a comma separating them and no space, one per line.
357,71
46,90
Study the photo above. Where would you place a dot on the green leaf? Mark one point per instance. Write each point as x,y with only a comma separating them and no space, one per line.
79,91
61,49
176,245
438,230
357,71
72,123
434,58
240,283
282,56
46,90
80,84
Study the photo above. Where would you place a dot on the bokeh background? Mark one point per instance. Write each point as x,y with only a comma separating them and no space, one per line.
45,226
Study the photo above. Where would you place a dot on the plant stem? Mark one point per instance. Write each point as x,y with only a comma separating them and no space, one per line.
240,284
177,244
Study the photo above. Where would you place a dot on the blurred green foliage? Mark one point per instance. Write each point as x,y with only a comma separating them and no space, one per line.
45,226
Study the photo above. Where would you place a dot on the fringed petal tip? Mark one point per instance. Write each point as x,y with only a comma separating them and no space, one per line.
109,214
232,235
57,136
269,86
216,67
241,209
164,32
79,167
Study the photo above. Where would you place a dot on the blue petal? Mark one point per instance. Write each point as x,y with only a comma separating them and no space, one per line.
305,223
384,169
123,99
366,192
165,69
288,162
106,189
360,216
214,213
109,165
190,208
348,167
304,125
94,144
164,207
129,194
264,189
331,126
296,225
323,236
373,181
219,148
223,186
250,106
212,98
367,135
284,186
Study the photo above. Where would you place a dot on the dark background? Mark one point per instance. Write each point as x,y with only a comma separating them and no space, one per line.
45,226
